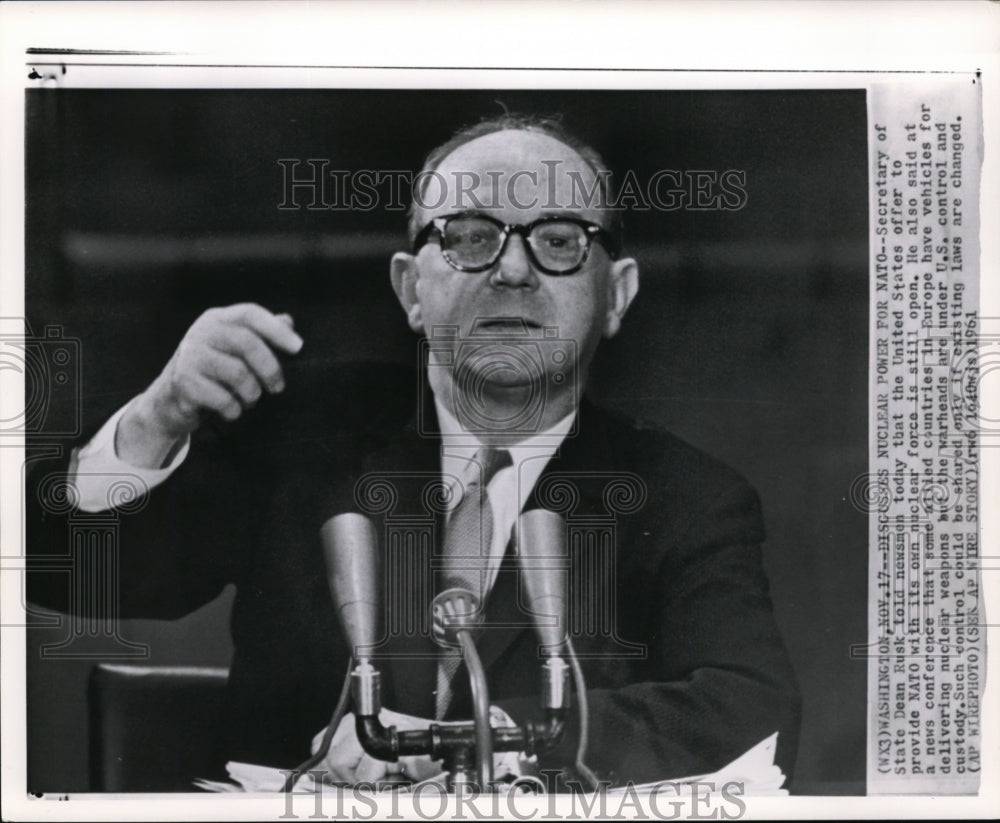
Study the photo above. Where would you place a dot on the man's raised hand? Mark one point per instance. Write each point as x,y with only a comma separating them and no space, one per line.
224,363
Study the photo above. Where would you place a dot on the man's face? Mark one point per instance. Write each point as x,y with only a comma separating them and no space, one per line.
515,177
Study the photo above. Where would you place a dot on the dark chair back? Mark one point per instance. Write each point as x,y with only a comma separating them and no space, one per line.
153,728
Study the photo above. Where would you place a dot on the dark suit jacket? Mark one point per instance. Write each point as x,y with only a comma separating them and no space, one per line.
669,608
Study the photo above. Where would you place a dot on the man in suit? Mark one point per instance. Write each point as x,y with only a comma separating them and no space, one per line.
513,278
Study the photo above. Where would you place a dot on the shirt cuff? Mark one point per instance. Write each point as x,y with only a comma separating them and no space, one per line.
103,481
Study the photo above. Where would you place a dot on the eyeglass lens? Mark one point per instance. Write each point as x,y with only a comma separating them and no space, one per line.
474,241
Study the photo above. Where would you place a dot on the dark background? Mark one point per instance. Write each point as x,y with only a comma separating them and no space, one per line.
748,338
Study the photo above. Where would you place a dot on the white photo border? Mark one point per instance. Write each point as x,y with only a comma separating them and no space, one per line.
279,45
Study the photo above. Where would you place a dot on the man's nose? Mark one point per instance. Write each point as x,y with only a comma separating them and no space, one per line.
514,267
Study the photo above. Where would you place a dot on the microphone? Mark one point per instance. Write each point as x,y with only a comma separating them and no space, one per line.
541,543
351,558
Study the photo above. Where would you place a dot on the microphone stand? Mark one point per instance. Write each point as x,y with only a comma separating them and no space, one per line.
456,744
349,551
461,744
481,708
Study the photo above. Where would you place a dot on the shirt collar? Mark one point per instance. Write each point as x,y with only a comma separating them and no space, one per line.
458,442
528,458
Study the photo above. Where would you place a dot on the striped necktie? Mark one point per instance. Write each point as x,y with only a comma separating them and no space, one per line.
467,541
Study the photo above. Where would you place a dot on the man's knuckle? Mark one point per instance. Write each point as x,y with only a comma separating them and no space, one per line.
185,351
246,312
184,383
241,339
238,373
250,389
263,363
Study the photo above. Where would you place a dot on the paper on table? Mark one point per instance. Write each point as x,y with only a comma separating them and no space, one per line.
755,769
248,777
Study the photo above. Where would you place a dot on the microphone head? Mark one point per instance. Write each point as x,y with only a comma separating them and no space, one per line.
350,552
541,544
452,611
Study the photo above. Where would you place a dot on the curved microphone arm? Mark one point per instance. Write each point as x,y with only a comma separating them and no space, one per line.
480,707
389,743
456,741
457,614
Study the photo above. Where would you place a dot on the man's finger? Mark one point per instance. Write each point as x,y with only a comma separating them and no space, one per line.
276,332
252,350
203,393
235,375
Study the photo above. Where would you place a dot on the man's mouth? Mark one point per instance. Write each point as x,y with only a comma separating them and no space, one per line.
506,325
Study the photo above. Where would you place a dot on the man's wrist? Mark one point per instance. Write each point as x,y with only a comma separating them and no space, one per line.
142,439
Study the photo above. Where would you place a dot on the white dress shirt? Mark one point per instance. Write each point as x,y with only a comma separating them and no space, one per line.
510,487
96,467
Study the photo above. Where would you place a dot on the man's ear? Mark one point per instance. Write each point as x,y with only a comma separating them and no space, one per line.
403,274
623,284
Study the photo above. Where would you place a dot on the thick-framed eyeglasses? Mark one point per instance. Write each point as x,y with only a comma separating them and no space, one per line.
473,242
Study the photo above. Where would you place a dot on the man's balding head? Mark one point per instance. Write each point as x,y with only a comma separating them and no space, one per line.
597,191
